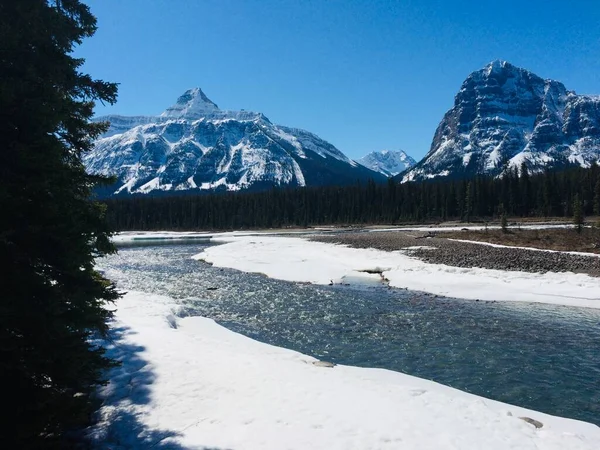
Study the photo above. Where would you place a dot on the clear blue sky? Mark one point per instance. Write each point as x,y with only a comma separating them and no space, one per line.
364,75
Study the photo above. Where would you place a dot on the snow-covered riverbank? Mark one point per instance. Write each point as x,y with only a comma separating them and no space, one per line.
190,383
297,259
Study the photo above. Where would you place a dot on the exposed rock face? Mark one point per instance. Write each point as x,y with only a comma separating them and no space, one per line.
387,162
194,145
504,116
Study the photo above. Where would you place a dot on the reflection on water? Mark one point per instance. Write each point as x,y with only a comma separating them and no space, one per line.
543,357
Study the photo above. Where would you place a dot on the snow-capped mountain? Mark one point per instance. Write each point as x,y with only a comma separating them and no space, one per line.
503,116
195,145
387,162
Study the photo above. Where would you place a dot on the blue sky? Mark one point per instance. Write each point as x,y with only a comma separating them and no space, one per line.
364,75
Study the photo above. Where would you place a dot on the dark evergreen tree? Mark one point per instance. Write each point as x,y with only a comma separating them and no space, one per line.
50,231
482,198
468,202
577,213
524,188
596,209
503,219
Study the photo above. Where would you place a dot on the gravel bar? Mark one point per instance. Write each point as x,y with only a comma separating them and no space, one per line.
461,254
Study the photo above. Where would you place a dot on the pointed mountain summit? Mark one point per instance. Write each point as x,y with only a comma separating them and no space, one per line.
192,104
387,162
225,150
504,116
497,66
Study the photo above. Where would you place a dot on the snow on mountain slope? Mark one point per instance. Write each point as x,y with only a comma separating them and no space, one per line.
195,145
387,162
503,116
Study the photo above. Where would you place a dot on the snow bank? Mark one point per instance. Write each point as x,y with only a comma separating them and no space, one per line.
190,383
296,259
533,249
129,237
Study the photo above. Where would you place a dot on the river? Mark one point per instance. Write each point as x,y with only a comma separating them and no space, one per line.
538,356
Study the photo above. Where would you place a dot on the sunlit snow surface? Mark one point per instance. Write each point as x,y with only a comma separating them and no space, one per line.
297,259
387,162
190,383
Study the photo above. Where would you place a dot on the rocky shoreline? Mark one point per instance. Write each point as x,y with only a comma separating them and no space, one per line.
436,249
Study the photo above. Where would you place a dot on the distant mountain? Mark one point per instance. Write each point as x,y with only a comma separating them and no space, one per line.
194,145
504,116
387,162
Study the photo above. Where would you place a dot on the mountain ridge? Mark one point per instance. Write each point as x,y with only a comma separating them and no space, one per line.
505,116
194,145
388,162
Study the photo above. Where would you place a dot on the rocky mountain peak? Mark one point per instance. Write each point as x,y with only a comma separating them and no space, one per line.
226,150
503,116
497,66
192,104
387,162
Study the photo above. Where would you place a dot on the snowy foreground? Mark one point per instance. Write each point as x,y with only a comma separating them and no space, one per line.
192,384
296,259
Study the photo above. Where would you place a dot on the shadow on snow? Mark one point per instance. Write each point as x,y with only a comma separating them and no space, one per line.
118,423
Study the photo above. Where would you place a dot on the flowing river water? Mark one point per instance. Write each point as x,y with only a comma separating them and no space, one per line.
543,357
